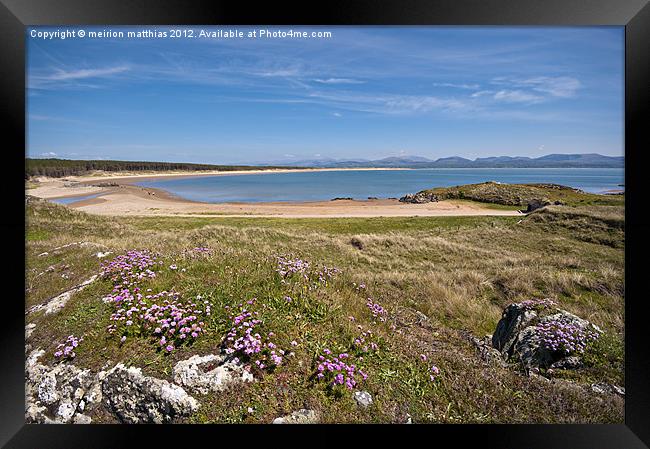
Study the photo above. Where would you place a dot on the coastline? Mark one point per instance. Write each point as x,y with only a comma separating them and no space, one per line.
119,196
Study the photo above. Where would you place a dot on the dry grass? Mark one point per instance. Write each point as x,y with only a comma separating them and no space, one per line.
458,272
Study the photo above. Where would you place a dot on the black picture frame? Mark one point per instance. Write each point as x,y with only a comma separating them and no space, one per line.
15,15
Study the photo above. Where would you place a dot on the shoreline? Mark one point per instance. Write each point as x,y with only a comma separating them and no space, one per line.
120,197
130,178
118,194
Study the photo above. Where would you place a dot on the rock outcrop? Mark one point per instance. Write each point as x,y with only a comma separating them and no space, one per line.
209,373
59,394
136,398
518,337
605,388
302,416
58,302
63,393
363,398
536,204
419,198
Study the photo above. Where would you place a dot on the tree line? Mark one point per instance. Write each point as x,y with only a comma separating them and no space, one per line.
58,168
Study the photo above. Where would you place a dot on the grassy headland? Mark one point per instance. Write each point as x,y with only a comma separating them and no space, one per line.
439,279
518,195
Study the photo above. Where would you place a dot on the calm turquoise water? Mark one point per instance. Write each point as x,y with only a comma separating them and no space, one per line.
316,186
74,199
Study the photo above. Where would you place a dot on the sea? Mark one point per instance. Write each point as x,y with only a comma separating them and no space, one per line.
364,184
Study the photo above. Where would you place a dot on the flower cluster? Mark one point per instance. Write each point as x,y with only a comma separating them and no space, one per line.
433,372
65,350
377,310
128,269
245,340
287,267
199,251
563,336
327,273
537,304
337,370
161,315
364,341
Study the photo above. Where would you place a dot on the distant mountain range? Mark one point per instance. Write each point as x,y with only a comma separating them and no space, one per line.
591,160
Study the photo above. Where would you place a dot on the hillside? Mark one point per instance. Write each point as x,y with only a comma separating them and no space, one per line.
522,194
404,300
591,160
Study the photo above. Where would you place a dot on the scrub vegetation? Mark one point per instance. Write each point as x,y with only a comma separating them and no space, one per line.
384,305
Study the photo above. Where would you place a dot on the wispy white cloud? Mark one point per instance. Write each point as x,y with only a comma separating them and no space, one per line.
338,81
63,75
561,86
48,154
75,78
481,93
458,86
386,103
279,72
554,86
517,96
337,114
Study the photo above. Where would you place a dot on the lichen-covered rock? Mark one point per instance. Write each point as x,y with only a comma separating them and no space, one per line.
302,416
605,388
536,204
58,302
419,198
209,373
136,398
55,394
515,318
363,398
518,336
571,362
29,329
486,351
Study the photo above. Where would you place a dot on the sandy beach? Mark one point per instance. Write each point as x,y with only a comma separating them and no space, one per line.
116,195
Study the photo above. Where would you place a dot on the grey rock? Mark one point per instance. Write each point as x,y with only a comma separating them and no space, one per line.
47,393
571,362
209,373
514,319
302,416
80,418
29,328
58,302
363,398
605,388
486,352
419,198
536,204
54,394
517,338
135,398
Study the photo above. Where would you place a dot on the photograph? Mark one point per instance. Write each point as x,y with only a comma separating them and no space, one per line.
332,224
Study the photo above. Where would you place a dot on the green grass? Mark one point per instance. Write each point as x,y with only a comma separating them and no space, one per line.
379,225
520,194
458,271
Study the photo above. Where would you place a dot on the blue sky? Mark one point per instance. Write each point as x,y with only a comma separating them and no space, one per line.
365,92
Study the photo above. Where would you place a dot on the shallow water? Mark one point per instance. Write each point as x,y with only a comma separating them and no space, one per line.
73,199
325,185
